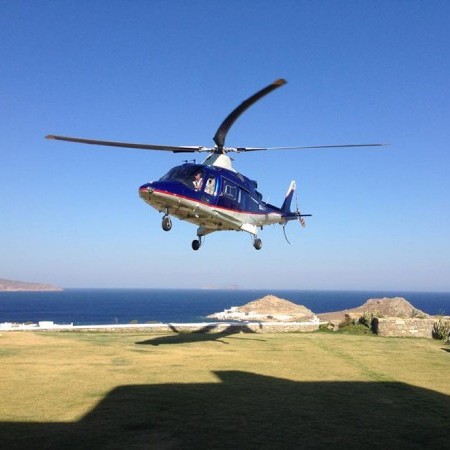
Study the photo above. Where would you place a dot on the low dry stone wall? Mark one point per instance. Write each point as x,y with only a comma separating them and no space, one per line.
210,327
284,327
393,326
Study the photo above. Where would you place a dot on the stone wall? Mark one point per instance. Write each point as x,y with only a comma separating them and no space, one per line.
163,328
393,326
226,328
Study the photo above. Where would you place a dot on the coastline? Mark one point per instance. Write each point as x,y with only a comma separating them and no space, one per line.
25,286
54,289
270,314
125,306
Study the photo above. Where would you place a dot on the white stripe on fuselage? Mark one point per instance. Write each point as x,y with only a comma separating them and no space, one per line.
208,216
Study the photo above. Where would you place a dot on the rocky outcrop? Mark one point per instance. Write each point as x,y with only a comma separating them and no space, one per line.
13,286
391,307
397,307
267,309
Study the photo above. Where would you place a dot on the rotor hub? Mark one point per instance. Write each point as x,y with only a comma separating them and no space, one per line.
219,160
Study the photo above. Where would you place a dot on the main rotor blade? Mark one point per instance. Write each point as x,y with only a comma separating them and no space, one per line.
254,149
219,137
167,148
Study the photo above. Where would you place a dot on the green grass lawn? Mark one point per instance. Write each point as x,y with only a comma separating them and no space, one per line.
212,391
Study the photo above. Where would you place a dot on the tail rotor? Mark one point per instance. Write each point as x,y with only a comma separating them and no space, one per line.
292,215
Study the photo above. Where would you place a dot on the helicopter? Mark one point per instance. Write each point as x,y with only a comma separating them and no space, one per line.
213,195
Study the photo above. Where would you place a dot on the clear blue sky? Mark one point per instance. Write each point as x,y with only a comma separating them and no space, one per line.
168,73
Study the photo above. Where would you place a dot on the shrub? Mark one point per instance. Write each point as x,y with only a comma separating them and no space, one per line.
441,330
366,319
354,328
416,314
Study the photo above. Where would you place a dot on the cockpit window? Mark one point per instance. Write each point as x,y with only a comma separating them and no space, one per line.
190,175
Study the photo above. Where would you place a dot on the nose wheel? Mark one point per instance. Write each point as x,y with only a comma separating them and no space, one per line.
166,223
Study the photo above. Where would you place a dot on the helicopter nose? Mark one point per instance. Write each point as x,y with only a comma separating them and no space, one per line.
146,189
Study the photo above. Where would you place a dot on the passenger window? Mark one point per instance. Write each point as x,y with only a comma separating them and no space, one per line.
210,186
230,191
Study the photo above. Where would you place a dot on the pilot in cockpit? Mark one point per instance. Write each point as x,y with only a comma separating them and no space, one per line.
198,181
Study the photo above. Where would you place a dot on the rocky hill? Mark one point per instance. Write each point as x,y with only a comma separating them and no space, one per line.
268,308
13,286
391,307
271,308
380,307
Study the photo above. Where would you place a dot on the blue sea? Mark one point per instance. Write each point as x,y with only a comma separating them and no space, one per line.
121,306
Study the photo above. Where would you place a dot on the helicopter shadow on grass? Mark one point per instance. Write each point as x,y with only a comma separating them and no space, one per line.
209,332
246,410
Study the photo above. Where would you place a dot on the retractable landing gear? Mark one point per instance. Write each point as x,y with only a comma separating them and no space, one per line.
257,243
197,243
166,223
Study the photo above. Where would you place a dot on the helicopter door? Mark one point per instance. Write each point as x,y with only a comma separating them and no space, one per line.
229,196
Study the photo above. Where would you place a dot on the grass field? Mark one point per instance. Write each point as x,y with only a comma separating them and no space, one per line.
212,391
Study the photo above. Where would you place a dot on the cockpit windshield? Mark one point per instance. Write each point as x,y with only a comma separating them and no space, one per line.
189,174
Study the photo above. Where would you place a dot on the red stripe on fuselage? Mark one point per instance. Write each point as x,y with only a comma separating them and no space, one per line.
170,194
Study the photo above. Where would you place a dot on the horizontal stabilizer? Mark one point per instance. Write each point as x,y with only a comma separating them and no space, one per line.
296,216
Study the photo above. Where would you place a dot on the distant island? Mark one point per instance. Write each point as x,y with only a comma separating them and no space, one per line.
16,286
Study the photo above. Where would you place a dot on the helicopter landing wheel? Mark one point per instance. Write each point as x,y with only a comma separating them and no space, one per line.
166,223
196,244
257,243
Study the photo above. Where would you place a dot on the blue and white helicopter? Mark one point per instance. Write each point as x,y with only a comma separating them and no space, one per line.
213,195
